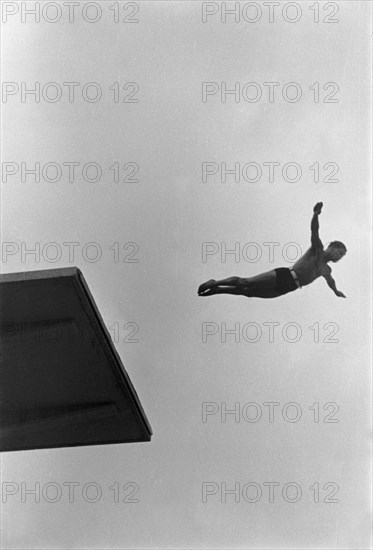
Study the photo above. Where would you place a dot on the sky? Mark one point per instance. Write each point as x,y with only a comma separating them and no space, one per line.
172,232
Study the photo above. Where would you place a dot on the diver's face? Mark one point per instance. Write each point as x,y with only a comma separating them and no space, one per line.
335,254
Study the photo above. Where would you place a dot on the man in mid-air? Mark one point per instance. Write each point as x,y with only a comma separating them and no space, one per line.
312,265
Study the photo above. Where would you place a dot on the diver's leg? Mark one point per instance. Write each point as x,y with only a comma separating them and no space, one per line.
231,282
264,281
221,290
254,293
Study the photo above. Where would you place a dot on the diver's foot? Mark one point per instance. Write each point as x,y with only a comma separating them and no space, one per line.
206,286
207,292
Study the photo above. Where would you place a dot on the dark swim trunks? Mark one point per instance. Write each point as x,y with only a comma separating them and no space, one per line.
286,282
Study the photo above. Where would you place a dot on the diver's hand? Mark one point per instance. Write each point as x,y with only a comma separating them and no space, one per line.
317,208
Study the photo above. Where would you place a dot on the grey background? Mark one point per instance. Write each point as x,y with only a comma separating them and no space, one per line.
169,213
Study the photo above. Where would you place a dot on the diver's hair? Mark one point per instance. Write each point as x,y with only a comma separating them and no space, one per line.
337,245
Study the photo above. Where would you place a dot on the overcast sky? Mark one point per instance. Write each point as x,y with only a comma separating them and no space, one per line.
169,213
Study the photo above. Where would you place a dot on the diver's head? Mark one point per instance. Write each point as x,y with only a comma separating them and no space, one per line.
335,251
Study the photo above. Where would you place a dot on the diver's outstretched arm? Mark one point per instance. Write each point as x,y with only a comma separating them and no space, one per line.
315,239
331,283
